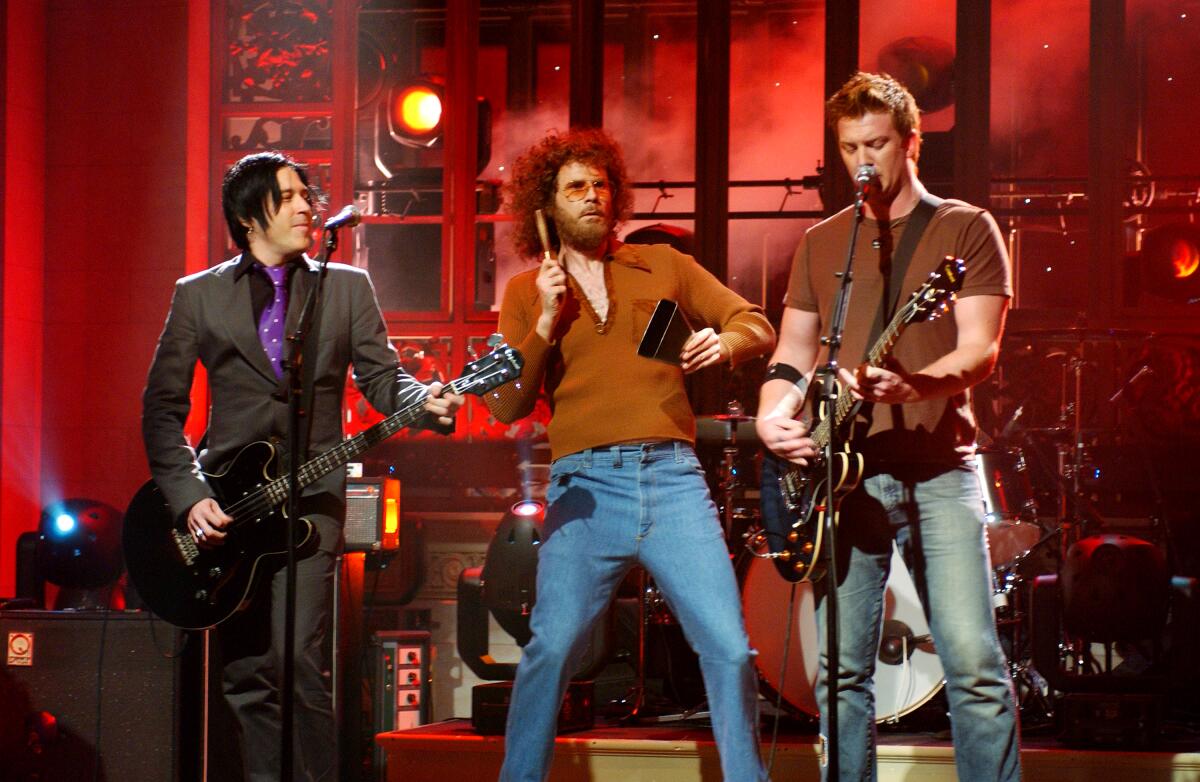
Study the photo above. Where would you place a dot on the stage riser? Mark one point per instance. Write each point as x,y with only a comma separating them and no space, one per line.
445,751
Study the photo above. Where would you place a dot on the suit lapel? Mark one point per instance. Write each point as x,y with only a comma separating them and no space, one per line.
236,312
302,282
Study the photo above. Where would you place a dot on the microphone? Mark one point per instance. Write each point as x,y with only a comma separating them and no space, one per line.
349,217
864,176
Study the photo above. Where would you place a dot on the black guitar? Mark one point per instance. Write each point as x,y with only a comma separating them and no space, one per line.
196,588
796,525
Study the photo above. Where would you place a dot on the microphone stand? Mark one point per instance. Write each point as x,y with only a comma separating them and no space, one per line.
293,367
829,394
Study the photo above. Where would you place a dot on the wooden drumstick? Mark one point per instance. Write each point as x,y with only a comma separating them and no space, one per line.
544,235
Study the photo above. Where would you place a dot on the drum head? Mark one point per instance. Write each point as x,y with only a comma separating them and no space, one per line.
899,688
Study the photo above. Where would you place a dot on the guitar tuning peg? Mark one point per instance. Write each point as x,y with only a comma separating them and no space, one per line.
471,352
494,339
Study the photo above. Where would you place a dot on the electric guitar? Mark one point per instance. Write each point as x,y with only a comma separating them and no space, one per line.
795,538
194,587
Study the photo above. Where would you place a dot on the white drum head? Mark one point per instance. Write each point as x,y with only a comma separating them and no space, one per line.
899,688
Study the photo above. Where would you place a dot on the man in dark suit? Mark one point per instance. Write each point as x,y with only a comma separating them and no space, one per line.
233,318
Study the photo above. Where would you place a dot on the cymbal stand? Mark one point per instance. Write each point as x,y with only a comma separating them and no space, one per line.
635,698
652,609
1070,458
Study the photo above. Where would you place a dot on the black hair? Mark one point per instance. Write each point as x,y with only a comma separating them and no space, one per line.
247,186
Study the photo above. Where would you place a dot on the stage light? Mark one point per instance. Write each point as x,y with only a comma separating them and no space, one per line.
510,568
1115,587
505,587
79,550
415,114
1170,262
528,508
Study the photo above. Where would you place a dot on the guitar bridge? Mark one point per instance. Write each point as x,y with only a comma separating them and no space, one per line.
187,548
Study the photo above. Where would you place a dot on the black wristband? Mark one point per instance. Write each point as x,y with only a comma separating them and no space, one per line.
782,371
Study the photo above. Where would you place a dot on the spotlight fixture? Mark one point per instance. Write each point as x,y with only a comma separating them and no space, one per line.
79,550
1170,262
415,114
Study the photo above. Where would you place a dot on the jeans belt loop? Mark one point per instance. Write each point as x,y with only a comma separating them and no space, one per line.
678,451
616,456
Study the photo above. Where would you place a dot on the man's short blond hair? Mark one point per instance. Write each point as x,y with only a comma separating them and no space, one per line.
869,93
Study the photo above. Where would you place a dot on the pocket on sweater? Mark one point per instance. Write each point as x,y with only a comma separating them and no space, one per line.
641,311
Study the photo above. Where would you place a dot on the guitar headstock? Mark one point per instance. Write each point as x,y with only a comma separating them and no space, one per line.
483,374
933,298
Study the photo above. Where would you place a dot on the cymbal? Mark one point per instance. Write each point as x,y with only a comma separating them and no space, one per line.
1078,334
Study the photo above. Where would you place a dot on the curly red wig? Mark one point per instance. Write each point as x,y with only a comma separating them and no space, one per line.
535,176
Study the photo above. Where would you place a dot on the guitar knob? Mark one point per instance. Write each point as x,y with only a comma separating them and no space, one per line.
808,548
786,554
793,536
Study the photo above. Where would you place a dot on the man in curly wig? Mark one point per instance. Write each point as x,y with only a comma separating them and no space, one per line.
625,486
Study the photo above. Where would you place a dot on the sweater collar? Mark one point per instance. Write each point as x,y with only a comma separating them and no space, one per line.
626,255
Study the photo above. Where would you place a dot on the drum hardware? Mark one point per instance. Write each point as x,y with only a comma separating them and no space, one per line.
735,433
897,642
681,697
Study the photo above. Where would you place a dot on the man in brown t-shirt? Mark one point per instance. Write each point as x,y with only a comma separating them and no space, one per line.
915,433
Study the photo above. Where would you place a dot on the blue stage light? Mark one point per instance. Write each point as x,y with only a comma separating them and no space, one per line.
64,523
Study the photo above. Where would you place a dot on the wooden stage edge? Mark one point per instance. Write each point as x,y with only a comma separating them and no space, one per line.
452,752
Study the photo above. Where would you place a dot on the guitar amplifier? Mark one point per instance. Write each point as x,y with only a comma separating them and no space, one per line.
372,514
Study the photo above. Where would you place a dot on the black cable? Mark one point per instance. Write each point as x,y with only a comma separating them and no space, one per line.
100,692
787,643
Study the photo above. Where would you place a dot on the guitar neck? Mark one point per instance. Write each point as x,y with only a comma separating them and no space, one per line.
351,447
878,354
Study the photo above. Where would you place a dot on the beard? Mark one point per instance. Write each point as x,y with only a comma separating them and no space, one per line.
576,233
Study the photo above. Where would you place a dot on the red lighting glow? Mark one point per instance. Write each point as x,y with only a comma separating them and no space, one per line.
1185,258
418,109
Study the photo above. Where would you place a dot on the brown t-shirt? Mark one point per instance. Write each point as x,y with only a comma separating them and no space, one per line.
935,430
601,391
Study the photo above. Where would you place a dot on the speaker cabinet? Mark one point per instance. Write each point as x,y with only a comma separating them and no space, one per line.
122,691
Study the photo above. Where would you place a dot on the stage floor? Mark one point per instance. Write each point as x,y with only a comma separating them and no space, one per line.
452,751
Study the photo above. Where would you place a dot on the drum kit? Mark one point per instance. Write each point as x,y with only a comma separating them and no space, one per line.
1050,417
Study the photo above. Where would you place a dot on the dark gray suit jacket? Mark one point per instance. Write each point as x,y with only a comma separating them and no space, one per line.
211,320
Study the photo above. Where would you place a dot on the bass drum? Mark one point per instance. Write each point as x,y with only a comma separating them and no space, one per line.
901,685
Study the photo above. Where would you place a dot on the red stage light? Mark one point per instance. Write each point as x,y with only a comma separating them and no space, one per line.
1185,257
1170,262
415,115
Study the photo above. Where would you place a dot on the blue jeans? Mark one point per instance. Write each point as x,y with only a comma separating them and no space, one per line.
610,509
935,515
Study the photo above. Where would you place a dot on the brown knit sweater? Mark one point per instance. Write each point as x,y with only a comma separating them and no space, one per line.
601,391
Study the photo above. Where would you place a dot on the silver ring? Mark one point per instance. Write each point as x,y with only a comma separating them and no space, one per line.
199,533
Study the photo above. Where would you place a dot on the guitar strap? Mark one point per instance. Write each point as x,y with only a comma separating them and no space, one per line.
918,221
